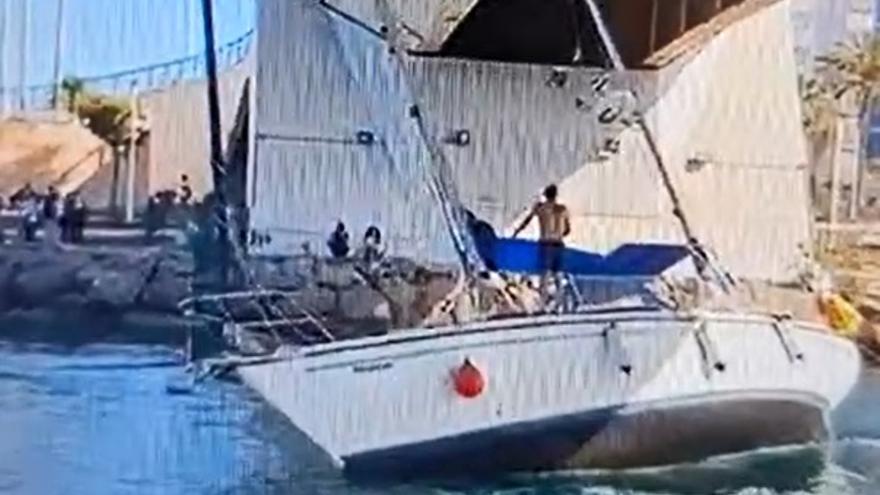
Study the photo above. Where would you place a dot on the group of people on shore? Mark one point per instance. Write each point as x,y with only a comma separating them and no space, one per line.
61,218
370,251
163,205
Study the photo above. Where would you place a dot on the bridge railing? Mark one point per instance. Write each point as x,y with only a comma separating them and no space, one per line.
151,77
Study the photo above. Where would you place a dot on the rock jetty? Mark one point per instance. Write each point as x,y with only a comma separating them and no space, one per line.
94,280
106,289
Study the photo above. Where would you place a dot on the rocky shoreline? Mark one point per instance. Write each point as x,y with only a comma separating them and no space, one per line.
75,295
113,293
86,294
97,280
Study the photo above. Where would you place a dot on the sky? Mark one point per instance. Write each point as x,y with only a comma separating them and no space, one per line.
107,36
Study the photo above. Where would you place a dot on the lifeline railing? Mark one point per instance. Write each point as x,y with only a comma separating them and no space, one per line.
219,311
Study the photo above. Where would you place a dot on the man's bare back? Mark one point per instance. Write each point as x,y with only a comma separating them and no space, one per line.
553,218
553,221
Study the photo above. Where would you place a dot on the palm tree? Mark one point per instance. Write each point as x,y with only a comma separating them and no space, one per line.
821,117
107,117
73,88
851,76
820,109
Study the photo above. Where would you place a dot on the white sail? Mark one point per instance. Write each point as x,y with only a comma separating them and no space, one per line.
741,120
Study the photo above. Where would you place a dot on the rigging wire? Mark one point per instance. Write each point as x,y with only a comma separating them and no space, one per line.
438,173
439,169
698,251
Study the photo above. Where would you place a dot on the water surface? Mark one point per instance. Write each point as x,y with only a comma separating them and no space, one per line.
114,419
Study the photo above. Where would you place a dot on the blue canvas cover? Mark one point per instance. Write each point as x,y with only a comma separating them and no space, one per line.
628,260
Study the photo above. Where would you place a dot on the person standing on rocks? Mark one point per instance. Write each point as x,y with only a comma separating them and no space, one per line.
51,206
371,251
186,193
338,242
30,217
72,219
65,220
78,219
2,226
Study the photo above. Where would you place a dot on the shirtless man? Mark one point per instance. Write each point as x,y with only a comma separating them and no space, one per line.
555,225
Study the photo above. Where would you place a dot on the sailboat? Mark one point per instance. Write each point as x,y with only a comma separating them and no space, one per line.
583,385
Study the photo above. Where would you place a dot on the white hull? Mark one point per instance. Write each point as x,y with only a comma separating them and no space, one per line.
617,389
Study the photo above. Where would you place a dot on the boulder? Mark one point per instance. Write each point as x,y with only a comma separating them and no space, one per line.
40,284
72,301
117,290
360,302
177,263
119,281
274,273
318,300
165,289
8,271
337,274
87,276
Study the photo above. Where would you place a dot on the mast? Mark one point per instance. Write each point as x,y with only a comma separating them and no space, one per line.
218,170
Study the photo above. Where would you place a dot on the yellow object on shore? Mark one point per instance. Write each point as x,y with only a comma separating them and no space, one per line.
842,316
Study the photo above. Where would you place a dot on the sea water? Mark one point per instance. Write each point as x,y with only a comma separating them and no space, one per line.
118,419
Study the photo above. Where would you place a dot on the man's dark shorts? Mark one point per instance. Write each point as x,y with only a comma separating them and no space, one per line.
551,255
